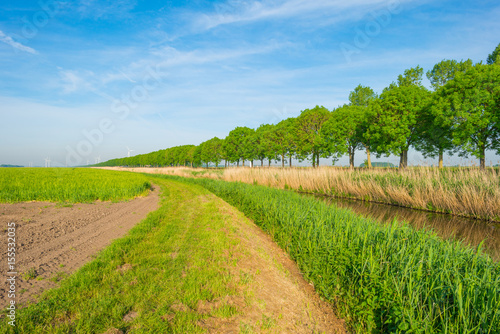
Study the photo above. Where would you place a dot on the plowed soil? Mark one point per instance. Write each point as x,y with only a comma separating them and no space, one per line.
53,241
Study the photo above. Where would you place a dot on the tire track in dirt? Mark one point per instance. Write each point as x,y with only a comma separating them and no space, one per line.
55,241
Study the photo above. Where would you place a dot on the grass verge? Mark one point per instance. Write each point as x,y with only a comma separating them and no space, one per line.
381,278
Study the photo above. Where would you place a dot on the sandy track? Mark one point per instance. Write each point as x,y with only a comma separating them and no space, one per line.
55,240
277,286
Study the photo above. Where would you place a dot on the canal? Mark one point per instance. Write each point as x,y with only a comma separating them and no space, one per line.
469,231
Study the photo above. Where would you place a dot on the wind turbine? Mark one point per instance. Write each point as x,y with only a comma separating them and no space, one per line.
129,150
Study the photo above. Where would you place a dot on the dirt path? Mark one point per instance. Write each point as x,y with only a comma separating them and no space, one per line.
55,241
278,290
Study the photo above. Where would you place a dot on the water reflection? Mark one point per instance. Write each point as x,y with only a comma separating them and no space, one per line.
470,231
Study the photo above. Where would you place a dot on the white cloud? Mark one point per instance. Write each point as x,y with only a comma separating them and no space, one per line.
8,40
73,81
249,11
103,9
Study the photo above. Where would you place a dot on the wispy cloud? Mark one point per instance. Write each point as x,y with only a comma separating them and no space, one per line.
250,11
99,9
16,45
73,81
171,59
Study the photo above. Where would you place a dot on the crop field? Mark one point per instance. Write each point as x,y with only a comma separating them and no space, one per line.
381,278
69,185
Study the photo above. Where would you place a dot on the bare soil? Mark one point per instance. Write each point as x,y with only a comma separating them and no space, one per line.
53,241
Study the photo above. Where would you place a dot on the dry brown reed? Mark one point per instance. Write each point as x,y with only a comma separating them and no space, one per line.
467,192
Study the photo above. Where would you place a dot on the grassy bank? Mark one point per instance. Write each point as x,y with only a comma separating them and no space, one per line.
382,278
69,185
466,192
149,281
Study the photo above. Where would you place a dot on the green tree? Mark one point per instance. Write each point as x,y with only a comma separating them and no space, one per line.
284,139
341,132
308,128
264,143
494,57
396,116
250,146
238,145
435,135
211,151
411,77
362,96
197,155
445,71
472,102
190,155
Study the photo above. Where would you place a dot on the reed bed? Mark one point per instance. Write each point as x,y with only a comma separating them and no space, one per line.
381,278
467,192
69,185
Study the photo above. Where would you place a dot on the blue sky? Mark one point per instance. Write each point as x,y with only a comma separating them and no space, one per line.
85,79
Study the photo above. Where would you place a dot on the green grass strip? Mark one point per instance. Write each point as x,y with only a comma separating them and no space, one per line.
156,275
382,279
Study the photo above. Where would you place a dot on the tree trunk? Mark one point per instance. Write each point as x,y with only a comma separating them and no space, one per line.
282,161
440,158
261,162
368,159
403,160
251,163
269,163
290,161
482,159
351,157
238,163
317,159
314,160
243,162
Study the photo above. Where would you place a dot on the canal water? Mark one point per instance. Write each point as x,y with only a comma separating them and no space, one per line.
469,231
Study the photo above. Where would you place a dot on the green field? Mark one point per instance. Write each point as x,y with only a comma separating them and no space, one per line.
76,185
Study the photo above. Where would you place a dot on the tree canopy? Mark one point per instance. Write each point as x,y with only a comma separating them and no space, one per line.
309,137
472,101
397,114
494,57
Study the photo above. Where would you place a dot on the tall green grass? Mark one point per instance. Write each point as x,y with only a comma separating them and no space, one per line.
69,185
381,278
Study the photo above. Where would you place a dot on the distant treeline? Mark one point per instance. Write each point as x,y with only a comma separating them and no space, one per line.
460,114
10,166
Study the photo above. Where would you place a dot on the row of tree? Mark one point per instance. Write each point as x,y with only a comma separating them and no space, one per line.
460,114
